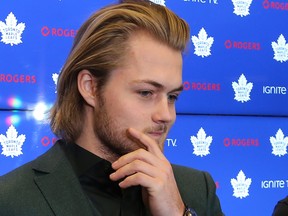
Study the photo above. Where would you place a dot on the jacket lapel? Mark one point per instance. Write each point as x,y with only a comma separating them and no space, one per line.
59,185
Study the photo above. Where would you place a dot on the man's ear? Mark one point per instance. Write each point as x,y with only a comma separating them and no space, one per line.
87,87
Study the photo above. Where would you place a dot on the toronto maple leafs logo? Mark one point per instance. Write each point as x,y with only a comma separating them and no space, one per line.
55,79
280,49
242,89
12,144
241,185
241,7
160,2
202,43
279,144
201,143
11,32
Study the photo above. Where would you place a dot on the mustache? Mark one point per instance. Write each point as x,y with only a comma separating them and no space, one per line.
158,128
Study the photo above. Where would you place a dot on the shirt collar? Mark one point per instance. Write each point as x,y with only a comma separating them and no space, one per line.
83,160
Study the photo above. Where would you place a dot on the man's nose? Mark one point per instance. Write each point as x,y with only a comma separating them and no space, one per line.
164,111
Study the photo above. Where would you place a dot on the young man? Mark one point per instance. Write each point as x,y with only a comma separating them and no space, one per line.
115,106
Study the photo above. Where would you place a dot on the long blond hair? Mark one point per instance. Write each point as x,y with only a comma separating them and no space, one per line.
99,47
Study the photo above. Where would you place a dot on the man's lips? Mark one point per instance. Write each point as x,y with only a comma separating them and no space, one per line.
157,133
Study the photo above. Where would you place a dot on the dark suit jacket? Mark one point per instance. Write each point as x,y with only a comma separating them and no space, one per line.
281,208
48,186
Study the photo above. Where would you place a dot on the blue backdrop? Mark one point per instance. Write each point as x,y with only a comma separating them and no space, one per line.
231,117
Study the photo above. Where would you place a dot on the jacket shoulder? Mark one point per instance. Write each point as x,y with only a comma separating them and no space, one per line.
198,190
19,192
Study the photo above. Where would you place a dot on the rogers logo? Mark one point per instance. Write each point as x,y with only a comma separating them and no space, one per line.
275,5
229,44
17,78
245,142
46,141
201,86
58,32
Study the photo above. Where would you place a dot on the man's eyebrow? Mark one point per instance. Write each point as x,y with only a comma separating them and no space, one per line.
158,85
180,88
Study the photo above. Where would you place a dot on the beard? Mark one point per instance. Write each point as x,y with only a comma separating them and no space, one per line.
113,136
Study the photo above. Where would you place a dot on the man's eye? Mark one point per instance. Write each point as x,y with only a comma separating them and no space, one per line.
172,98
145,93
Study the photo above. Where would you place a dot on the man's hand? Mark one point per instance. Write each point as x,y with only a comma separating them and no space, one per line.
150,169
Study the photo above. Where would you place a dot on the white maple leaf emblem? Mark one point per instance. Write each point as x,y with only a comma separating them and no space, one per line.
279,144
202,43
280,49
160,2
201,143
241,7
242,89
241,185
11,31
12,144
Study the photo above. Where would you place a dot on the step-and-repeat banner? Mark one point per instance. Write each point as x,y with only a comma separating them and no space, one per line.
232,115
